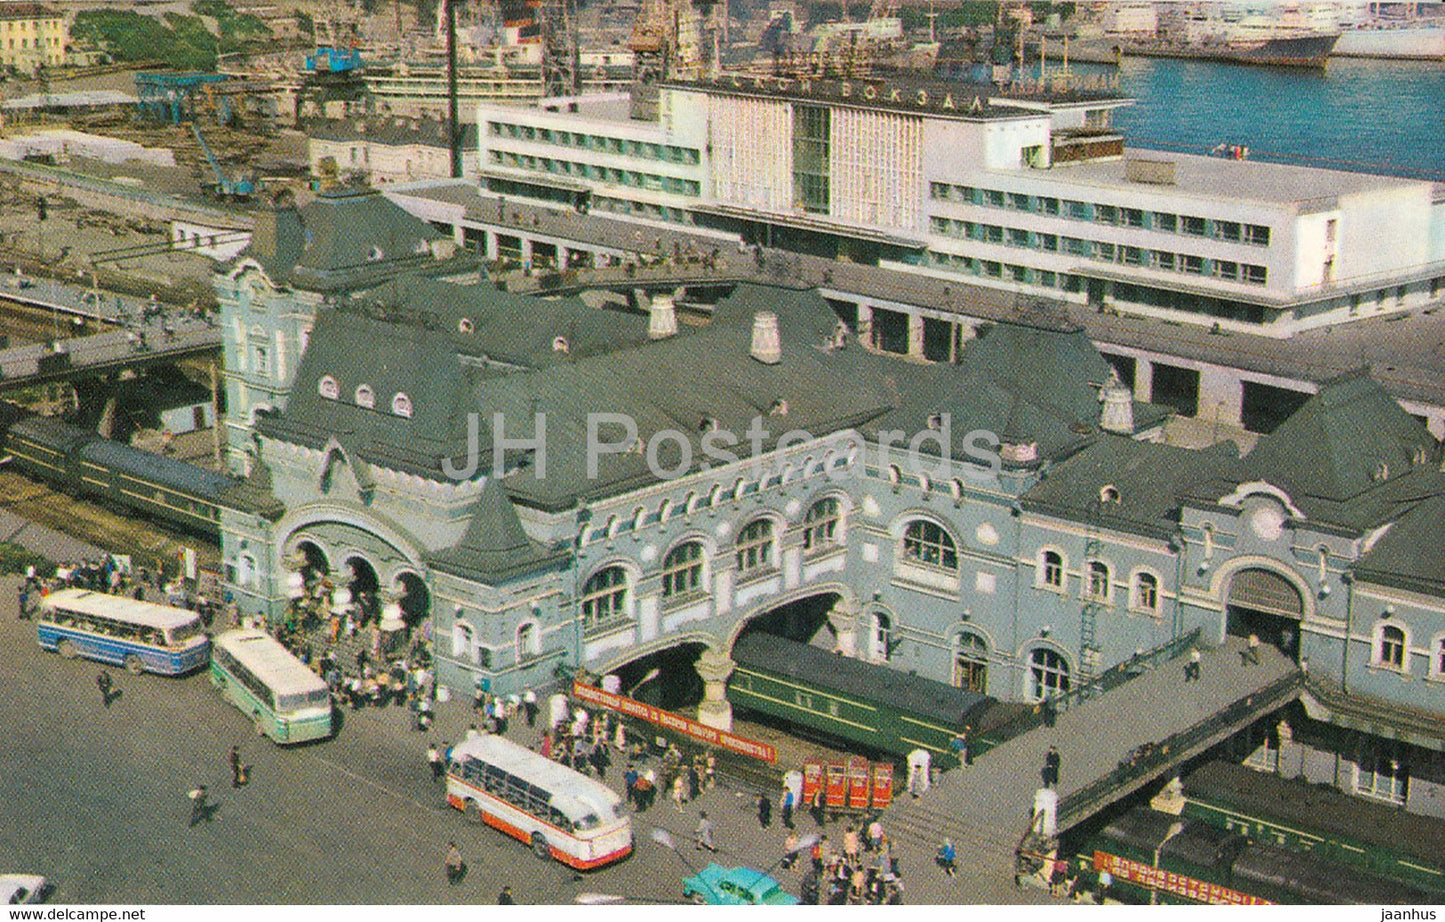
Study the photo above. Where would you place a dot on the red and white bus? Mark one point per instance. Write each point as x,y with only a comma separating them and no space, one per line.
561,813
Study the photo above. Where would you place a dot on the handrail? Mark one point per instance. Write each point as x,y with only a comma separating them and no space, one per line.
1107,680
1150,759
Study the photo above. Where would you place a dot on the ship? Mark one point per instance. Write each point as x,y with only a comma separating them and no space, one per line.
1298,50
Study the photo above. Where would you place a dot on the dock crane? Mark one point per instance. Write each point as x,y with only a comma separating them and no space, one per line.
238,189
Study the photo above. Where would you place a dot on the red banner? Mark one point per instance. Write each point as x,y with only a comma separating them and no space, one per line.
1137,872
655,715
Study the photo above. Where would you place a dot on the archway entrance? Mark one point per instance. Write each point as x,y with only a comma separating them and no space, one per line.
667,678
415,600
804,620
361,580
316,565
1265,604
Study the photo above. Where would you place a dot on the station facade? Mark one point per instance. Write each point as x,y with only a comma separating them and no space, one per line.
1005,522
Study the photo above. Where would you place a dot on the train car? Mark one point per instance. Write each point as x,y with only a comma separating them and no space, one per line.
83,463
883,709
1321,821
1156,857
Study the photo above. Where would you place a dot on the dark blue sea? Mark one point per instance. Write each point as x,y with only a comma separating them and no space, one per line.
1365,115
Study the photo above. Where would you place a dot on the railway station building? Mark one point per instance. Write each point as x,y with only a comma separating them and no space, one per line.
542,496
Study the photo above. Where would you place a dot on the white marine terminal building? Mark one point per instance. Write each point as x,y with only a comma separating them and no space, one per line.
1027,190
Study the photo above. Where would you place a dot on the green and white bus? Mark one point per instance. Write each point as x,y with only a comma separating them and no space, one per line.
287,701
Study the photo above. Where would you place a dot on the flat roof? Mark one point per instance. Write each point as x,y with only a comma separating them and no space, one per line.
1215,178
148,614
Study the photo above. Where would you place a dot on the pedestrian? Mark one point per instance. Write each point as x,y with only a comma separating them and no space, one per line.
200,810
1251,650
104,683
947,857
875,835
787,809
679,792
816,809
1050,710
850,845
455,866
1050,773
505,898
434,759
238,770
791,848
1191,668
765,811
704,833
22,597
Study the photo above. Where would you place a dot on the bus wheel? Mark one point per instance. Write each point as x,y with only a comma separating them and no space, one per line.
540,848
67,649
133,665
473,813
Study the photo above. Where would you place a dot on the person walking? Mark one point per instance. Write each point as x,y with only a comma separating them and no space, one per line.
505,898
816,809
104,683
1251,650
200,808
434,759
948,857
1051,768
704,833
850,845
787,808
765,811
238,770
1191,668
679,792
791,847
455,866
875,835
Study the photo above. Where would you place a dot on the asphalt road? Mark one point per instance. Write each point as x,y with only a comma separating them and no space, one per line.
95,800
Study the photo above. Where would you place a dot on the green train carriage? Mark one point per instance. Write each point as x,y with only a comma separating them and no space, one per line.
880,708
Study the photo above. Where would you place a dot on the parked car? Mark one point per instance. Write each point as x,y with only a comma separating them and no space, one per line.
22,888
716,885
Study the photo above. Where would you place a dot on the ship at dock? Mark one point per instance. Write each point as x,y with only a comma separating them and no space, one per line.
1304,50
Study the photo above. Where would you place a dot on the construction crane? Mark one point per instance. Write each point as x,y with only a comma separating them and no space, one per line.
238,189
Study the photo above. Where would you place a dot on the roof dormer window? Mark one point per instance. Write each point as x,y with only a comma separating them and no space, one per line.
328,388
560,344
365,396
465,325
1109,494
401,405
375,255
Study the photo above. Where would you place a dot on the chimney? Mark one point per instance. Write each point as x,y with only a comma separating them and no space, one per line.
1118,399
662,316
767,342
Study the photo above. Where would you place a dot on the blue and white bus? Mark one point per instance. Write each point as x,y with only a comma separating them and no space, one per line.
141,636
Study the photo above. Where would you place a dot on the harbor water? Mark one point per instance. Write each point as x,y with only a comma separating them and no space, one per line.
1365,115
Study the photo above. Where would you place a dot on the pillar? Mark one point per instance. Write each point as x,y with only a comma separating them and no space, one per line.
1221,396
865,324
526,247
1143,380
844,618
490,243
915,336
714,666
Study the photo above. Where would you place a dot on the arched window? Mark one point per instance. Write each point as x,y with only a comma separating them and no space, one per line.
682,570
365,396
1146,592
970,662
529,640
1097,585
245,570
820,525
328,388
1051,569
927,543
755,545
1437,658
605,596
401,405
1390,647
1048,674
882,637
463,641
